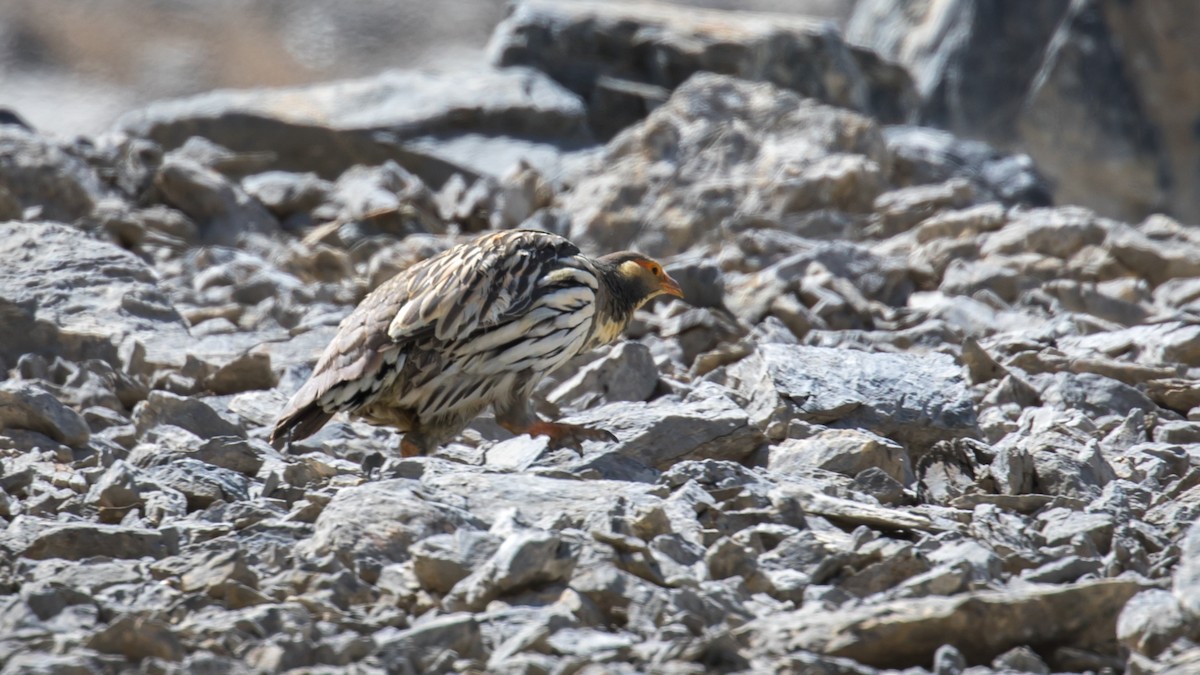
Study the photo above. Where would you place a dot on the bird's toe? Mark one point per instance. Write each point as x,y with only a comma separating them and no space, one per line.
570,435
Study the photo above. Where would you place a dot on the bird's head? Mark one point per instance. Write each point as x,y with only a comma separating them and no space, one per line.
640,279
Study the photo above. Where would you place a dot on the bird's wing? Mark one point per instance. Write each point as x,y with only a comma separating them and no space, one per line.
459,292
480,285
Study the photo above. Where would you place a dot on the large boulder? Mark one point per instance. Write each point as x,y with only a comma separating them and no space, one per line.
624,59
710,160
915,399
1100,92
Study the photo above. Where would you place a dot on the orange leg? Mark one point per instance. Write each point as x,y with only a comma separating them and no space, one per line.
562,435
409,449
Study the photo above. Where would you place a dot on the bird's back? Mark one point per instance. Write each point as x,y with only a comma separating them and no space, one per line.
438,342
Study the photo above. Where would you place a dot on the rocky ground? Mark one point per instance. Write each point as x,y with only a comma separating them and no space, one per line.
911,417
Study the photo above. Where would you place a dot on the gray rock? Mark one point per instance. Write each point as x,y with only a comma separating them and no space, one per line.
10,208
1095,395
433,124
285,193
225,214
382,200
540,501
1178,432
987,106
1065,452
626,373
63,293
1150,622
441,561
381,520
225,576
43,663
590,48
1097,47
1064,570
1157,261
915,400
851,513
1021,659
42,175
923,155
1012,470
85,540
907,633
1061,58
165,408
119,488
663,165
27,406
880,485
344,649
137,638
967,277
845,451
947,660
417,649
900,210
524,559
201,483
246,372
168,443
1074,296
1059,233
708,424
1187,576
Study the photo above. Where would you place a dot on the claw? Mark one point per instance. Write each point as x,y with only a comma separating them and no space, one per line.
569,435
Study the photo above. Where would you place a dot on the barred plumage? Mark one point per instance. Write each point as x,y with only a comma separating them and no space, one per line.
477,325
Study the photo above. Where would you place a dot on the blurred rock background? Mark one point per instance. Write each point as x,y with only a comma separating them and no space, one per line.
72,67
1102,94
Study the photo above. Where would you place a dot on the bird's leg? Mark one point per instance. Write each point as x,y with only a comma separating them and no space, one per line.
413,445
519,419
561,435
569,435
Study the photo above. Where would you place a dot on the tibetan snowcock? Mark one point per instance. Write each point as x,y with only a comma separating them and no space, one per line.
477,325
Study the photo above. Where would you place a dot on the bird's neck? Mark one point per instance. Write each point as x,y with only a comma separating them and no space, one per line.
616,303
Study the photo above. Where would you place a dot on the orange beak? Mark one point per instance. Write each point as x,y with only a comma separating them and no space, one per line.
670,287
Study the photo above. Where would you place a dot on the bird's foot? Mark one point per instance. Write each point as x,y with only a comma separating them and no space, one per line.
408,448
569,435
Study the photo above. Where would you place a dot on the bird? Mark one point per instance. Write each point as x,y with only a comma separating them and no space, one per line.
477,325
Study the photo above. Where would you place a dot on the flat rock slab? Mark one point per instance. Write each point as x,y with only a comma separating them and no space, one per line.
382,520
402,115
538,500
706,425
86,540
983,624
914,399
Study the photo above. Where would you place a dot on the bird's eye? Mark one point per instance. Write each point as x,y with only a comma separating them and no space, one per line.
655,270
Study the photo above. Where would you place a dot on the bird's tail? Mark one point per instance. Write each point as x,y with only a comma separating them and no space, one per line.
299,423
